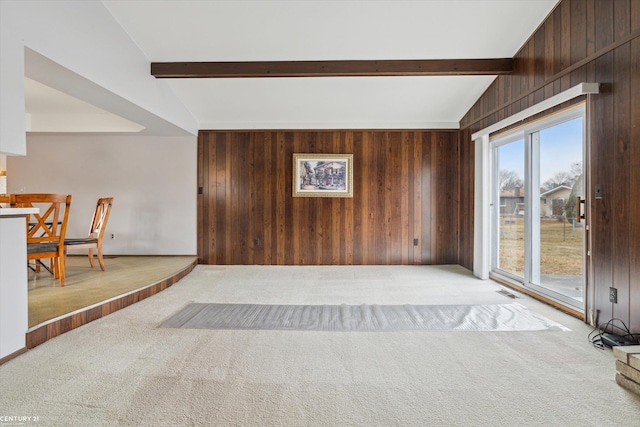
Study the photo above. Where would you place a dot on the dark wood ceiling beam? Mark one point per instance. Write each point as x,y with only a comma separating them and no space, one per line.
409,67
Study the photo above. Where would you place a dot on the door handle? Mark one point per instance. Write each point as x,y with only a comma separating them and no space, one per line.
579,205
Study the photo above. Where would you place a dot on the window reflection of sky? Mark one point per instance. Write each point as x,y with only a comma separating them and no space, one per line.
560,148
512,157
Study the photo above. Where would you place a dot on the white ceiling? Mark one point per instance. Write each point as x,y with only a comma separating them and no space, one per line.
50,110
175,31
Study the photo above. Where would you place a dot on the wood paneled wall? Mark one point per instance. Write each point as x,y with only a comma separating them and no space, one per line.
406,187
584,41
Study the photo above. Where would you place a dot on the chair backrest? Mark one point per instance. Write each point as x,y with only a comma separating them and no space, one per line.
100,217
50,225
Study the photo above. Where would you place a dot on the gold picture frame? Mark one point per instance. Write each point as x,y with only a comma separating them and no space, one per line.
322,175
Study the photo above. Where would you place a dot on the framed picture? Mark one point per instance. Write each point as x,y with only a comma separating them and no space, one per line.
322,175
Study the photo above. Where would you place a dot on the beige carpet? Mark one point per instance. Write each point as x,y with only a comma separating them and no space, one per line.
125,370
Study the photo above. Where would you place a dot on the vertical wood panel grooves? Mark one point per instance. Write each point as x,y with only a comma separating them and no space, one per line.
249,206
565,72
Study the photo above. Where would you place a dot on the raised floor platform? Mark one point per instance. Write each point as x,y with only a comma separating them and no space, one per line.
90,294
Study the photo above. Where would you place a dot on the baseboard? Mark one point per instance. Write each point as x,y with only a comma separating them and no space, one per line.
12,355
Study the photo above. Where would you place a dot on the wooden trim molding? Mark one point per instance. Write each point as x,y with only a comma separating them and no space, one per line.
13,355
410,67
44,332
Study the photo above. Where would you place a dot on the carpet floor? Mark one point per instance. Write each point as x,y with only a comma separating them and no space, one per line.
124,369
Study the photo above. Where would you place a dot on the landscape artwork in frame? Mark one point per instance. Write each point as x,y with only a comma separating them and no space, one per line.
323,175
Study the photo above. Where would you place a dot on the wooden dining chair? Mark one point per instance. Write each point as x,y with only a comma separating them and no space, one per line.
98,225
46,230
5,199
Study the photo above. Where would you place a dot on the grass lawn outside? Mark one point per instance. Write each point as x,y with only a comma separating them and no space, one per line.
560,247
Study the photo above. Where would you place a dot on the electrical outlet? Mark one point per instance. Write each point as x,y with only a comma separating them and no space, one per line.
113,235
598,191
613,295
415,242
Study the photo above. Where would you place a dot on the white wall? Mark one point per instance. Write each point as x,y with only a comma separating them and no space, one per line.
153,181
83,38
13,281
3,179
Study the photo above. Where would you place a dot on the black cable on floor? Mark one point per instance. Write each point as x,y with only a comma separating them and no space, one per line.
610,328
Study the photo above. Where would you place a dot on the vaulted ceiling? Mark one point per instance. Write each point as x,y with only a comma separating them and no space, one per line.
220,31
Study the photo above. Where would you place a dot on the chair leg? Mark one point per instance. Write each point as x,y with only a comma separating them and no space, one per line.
91,257
62,267
55,266
100,260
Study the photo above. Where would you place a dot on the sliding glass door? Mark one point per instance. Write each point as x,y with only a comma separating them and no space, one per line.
538,237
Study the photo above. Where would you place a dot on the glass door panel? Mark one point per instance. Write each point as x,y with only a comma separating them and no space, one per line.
558,243
510,251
